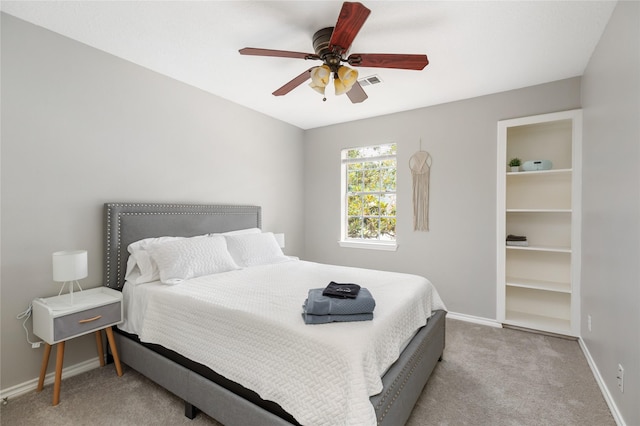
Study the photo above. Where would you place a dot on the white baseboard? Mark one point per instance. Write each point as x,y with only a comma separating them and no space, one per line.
617,416
473,319
30,385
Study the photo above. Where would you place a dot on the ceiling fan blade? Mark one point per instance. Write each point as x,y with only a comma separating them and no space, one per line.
297,81
351,19
278,53
357,94
388,60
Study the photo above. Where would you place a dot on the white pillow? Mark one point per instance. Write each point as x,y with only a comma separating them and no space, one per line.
133,271
141,268
244,231
191,257
147,270
255,249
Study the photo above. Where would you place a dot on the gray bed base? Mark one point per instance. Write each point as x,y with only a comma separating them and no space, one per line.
129,222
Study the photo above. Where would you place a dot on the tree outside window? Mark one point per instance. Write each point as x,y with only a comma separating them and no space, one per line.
369,180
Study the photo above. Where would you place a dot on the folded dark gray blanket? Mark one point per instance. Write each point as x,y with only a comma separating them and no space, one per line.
317,304
324,319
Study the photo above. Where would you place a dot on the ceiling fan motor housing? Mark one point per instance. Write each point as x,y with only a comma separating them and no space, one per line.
321,41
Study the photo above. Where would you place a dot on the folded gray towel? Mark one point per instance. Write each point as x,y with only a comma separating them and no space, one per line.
324,319
317,304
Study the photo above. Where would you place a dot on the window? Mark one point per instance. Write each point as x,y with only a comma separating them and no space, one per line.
369,196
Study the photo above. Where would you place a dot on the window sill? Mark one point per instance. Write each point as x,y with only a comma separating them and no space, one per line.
388,246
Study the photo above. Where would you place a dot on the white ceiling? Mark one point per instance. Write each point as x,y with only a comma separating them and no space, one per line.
474,47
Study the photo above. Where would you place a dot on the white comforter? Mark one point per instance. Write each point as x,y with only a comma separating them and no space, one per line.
247,325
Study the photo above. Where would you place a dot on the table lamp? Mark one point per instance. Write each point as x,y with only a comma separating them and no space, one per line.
68,267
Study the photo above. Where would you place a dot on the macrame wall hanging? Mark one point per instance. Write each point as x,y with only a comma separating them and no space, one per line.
420,165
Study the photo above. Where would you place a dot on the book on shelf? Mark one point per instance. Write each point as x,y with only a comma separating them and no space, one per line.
517,240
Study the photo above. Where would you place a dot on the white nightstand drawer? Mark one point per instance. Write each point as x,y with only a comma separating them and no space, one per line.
84,322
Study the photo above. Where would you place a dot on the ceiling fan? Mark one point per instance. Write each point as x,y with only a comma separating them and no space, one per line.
331,45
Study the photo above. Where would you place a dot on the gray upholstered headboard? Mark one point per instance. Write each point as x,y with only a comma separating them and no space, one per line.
126,223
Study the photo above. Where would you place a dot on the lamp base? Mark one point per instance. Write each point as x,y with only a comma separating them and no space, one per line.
71,285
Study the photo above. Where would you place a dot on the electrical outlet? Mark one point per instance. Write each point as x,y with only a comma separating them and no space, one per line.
35,345
589,322
620,377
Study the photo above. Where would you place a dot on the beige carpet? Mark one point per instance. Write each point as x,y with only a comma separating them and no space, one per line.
489,376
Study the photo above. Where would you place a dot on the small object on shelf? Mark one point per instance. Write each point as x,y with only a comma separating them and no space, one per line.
517,240
533,165
514,163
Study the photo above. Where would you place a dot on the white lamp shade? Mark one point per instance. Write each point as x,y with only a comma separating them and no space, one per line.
69,265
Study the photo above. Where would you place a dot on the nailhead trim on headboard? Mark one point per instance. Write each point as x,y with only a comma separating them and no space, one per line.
115,212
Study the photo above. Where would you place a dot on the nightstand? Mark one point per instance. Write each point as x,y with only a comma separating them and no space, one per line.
56,320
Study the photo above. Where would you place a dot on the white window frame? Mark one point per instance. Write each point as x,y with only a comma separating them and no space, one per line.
390,245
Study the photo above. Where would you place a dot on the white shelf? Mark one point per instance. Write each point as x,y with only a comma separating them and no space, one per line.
538,322
541,172
541,248
539,210
538,284
558,287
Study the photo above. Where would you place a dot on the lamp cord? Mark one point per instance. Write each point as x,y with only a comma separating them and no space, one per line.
26,315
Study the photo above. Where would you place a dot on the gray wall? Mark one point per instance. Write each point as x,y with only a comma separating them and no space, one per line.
81,127
458,254
611,206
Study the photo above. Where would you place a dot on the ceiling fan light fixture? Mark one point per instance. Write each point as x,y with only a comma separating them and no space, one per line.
344,80
348,76
320,78
340,87
319,89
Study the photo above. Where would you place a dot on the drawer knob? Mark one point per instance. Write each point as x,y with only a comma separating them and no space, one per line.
97,317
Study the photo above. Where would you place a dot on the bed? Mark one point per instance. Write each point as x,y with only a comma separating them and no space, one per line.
184,363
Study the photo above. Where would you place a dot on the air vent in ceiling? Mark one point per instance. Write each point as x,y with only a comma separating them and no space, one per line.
370,80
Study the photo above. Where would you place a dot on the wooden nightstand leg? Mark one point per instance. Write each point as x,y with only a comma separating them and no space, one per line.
56,384
100,347
114,350
43,369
